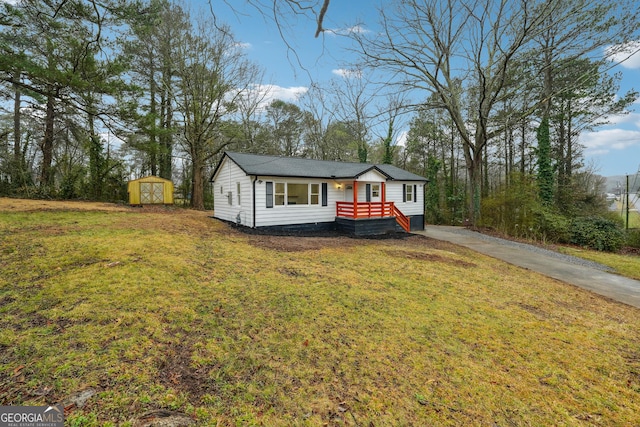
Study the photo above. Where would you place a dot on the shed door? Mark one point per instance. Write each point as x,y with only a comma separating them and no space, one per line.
151,192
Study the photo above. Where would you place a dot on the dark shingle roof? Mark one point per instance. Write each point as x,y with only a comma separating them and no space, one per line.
253,164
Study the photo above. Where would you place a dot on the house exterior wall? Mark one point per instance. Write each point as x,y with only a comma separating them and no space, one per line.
394,194
226,205
295,214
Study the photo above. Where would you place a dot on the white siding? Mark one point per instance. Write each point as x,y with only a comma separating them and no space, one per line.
394,194
372,176
362,191
296,214
225,181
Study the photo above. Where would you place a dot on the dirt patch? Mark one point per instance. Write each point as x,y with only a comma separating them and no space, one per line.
422,256
289,241
31,205
292,272
163,418
328,240
300,243
6,300
628,250
539,313
419,241
176,372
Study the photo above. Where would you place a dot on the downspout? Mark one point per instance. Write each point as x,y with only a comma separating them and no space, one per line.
253,191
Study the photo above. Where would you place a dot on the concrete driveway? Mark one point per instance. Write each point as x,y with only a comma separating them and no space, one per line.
578,272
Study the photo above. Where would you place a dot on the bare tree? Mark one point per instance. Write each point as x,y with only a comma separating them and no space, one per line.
316,119
213,75
352,105
281,11
457,48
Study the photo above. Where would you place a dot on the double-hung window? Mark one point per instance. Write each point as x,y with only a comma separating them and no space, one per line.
409,193
315,194
375,190
279,194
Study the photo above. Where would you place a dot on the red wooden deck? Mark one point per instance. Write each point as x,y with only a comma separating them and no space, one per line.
372,210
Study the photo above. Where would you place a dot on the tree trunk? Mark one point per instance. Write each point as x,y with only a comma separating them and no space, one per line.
153,156
197,185
46,176
485,172
474,173
166,148
18,169
545,170
569,164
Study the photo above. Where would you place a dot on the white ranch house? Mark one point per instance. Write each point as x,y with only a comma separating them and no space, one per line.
302,194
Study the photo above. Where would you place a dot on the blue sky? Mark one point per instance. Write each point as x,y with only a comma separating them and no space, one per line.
613,149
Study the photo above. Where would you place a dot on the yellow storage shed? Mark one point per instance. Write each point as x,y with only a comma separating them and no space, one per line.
150,190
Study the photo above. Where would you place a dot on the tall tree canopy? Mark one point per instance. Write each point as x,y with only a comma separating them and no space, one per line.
457,50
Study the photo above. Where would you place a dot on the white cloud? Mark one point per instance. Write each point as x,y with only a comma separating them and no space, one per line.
268,93
244,45
343,72
627,55
283,93
401,140
355,29
624,119
604,141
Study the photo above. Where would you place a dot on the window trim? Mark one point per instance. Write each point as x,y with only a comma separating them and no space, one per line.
408,193
311,193
272,194
283,194
269,194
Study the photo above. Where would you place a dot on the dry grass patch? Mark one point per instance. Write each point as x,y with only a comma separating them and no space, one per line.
173,310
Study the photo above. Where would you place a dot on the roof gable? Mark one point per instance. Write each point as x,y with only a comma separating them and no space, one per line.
150,178
261,165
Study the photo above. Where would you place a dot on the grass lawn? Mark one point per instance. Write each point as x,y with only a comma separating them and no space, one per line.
627,265
169,309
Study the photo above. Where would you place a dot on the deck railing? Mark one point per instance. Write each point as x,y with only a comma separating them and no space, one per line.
402,219
372,210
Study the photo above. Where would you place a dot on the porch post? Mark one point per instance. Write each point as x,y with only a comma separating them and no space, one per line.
383,196
355,199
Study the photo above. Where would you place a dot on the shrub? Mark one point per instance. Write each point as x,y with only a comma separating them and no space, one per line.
599,233
510,209
551,226
633,238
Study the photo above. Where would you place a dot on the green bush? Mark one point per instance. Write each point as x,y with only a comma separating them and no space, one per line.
551,226
510,209
599,233
633,238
